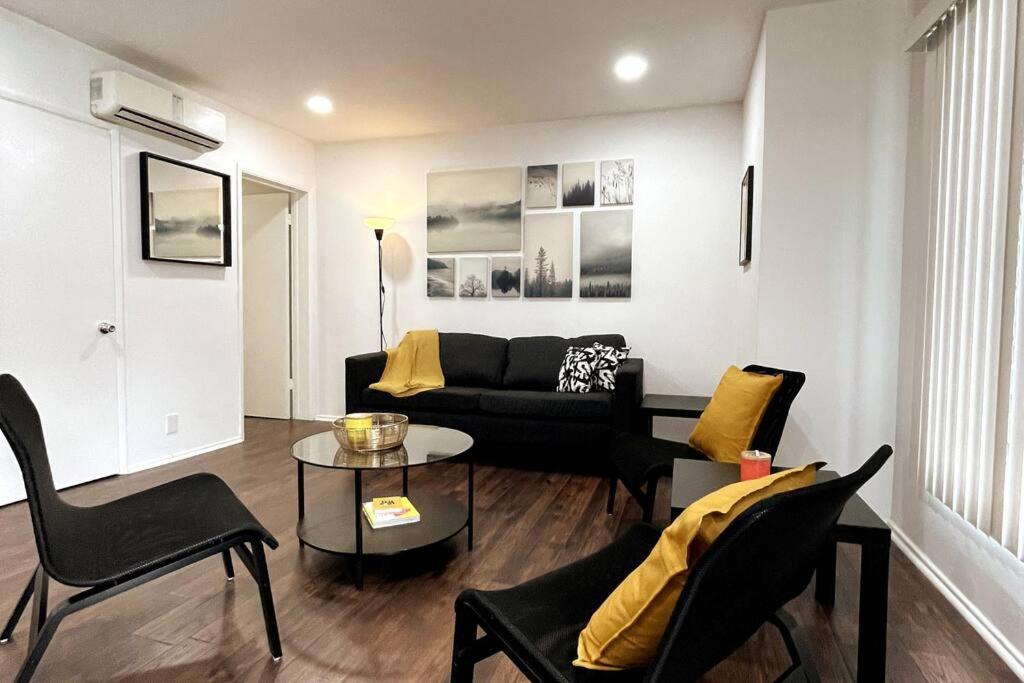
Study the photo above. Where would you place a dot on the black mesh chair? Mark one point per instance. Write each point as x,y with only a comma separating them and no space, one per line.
112,547
764,559
640,461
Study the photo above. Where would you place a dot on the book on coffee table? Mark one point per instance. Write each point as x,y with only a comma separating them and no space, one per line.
390,511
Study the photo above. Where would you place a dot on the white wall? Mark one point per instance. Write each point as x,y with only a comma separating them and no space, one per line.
182,324
835,111
680,319
753,155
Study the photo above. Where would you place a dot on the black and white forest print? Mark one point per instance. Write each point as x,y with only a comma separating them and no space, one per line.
577,369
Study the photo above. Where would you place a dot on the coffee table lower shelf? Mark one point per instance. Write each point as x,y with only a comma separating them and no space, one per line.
331,528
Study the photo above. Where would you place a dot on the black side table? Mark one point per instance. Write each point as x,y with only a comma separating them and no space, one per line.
671,405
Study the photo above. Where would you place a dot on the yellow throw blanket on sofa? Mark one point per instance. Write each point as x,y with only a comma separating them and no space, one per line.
414,366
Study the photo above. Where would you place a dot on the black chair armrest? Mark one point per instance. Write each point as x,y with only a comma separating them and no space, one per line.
360,372
629,393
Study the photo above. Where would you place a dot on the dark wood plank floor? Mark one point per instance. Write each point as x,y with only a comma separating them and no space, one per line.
193,625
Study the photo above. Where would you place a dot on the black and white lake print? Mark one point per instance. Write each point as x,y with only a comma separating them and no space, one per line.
617,182
187,224
506,277
578,184
440,277
475,210
606,254
542,186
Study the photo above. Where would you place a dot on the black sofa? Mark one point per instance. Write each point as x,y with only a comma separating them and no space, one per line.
502,393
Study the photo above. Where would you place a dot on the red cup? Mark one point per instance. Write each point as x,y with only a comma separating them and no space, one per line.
755,464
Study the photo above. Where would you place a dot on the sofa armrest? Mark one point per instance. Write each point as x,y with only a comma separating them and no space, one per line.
360,372
629,393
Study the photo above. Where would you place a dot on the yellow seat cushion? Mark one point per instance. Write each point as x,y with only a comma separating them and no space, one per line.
626,629
728,424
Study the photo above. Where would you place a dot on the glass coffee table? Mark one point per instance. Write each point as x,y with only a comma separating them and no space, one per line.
342,529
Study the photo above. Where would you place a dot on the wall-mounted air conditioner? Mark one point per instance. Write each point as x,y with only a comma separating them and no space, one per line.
124,99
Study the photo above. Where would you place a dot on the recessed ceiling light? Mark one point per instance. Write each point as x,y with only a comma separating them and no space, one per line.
319,104
630,67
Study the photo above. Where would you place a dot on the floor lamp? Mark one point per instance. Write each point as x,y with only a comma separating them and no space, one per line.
379,224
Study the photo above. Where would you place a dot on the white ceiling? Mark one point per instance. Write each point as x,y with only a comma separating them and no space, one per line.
406,67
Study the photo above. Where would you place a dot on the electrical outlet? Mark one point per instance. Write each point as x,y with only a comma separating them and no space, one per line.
171,423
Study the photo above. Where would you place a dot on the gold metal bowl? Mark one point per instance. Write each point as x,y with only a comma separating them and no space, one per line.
371,431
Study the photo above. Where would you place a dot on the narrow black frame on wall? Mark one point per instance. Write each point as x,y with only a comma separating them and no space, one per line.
146,208
746,215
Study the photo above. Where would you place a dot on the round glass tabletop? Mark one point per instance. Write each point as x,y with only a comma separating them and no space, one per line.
424,444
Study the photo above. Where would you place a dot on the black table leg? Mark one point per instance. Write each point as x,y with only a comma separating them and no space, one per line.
469,518
358,497
874,607
301,478
825,576
405,481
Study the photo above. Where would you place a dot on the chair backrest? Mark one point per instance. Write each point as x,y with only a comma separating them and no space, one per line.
769,432
762,560
19,422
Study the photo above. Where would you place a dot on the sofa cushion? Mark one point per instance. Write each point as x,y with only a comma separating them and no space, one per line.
533,362
472,360
448,399
546,404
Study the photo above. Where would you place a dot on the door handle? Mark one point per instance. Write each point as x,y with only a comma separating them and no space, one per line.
107,328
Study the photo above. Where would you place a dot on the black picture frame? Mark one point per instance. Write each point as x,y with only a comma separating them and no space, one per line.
746,215
146,205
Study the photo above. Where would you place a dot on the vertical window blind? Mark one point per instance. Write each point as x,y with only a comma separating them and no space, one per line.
971,460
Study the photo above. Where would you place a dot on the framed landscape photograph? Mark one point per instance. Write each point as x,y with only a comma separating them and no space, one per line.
542,186
440,278
475,210
606,254
186,212
578,184
506,276
746,215
473,277
547,257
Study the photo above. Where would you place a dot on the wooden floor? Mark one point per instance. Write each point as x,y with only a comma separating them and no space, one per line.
193,625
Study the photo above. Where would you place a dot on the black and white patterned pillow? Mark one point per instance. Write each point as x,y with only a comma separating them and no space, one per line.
577,369
606,363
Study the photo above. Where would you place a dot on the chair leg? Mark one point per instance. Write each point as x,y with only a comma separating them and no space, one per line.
41,590
649,498
40,642
19,609
463,660
267,598
229,568
613,485
803,669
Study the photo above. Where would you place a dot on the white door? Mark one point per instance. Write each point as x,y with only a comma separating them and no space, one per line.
266,309
57,284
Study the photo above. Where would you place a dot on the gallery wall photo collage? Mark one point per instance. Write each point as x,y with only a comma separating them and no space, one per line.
529,238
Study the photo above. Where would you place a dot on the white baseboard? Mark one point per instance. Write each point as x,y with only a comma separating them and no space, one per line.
327,418
191,453
991,635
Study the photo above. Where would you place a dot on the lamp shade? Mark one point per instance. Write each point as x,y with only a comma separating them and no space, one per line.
379,222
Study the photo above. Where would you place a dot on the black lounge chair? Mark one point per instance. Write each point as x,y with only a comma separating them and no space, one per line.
764,559
110,548
640,461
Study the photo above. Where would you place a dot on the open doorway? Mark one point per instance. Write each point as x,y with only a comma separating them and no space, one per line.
267,256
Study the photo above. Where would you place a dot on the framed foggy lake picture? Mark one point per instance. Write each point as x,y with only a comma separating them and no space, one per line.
506,276
440,278
547,255
606,254
475,210
186,212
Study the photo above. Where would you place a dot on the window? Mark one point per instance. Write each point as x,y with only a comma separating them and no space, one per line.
972,399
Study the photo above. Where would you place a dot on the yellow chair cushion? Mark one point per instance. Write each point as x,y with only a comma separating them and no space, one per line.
728,424
626,629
